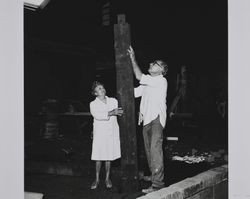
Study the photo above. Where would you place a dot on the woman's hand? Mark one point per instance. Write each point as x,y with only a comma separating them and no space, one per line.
116,112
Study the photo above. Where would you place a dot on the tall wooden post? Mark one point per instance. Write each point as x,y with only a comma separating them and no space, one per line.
125,91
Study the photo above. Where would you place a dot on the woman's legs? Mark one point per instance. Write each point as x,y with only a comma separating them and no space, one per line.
108,181
107,166
98,165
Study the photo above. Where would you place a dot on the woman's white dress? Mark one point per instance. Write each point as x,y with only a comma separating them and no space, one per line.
106,137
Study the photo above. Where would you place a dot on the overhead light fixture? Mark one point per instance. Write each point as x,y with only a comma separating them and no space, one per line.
35,4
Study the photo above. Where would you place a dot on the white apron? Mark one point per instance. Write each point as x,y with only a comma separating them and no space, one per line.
106,137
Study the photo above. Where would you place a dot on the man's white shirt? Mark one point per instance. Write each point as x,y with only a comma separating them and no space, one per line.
153,93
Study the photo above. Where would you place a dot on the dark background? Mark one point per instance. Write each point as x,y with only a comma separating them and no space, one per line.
66,47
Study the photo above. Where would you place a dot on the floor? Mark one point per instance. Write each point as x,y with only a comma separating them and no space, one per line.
75,149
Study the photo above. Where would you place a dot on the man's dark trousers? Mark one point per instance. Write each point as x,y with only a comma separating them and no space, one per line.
153,138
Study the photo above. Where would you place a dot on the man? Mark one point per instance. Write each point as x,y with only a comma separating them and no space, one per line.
153,93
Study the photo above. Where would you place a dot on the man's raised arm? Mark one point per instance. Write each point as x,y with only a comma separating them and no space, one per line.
136,69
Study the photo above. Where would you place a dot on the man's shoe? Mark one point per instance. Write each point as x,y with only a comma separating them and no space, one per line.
150,189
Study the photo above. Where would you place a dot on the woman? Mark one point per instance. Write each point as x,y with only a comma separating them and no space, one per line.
106,138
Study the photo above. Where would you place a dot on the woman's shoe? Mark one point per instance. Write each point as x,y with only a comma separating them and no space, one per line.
108,184
94,185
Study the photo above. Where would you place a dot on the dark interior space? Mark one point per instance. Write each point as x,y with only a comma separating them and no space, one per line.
67,47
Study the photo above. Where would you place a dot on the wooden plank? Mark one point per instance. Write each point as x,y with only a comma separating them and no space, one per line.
181,105
176,100
125,92
182,115
76,113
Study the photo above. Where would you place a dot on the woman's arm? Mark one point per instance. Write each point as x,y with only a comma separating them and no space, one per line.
104,115
115,112
97,114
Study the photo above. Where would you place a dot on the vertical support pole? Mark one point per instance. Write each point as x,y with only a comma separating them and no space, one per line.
183,83
125,91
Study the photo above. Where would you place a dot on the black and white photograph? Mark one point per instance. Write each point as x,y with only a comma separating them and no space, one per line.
125,99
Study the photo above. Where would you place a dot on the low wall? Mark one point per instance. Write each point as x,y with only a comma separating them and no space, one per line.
212,184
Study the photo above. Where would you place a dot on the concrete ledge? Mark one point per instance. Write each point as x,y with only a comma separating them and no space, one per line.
32,195
210,184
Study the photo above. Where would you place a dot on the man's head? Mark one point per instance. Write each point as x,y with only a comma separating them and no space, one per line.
158,67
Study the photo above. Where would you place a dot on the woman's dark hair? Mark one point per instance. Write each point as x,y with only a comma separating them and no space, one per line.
94,85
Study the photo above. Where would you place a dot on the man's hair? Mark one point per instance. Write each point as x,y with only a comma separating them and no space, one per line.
94,85
163,65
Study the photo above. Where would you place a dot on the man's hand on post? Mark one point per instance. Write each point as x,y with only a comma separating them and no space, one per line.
136,69
140,119
131,53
